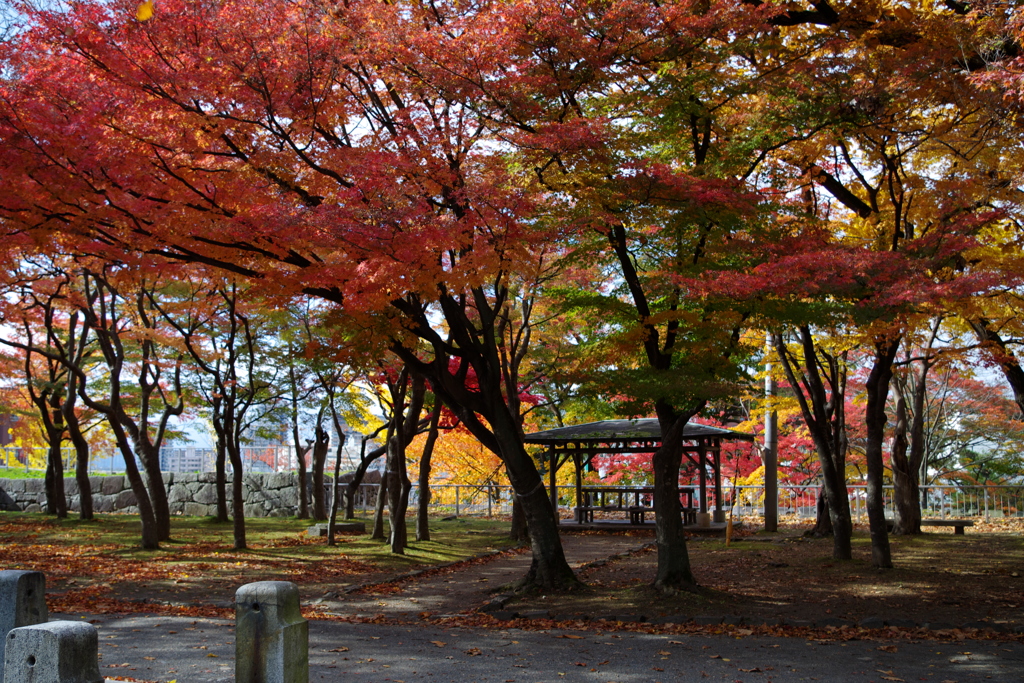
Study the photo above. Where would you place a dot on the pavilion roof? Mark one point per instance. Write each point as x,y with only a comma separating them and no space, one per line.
642,429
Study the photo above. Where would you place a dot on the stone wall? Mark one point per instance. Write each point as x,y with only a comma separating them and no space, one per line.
266,494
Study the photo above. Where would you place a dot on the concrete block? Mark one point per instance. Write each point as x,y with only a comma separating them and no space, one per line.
207,494
125,499
271,637
112,486
197,510
22,601
55,652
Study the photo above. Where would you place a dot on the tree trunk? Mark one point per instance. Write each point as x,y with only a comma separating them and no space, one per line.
423,510
398,486
300,459
85,506
822,518
335,483
357,478
378,512
824,414
150,457
320,448
549,568
906,499
520,530
221,479
150,534
56,497
674,572
875,419
237,499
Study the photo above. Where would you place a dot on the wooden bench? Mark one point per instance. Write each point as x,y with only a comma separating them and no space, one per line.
957,524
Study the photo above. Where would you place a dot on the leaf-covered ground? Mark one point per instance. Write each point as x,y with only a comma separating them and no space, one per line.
940,578
97,567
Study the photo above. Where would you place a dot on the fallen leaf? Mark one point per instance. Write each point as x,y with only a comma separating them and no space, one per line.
439,643
664,652
339,649
716,656
473,652
569,635
750,671
886,648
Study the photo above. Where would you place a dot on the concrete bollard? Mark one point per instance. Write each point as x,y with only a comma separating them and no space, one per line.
271,637
22,602
55,652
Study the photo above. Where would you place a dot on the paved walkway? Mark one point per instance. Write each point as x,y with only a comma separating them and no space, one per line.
202,651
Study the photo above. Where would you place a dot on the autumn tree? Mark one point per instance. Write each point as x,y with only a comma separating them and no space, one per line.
223,325
399,204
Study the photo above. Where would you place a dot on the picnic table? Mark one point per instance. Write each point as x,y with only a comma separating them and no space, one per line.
634,501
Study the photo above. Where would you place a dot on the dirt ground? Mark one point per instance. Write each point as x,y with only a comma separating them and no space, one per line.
940,579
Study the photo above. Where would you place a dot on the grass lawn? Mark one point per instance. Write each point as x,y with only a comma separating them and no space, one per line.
88,562
21,473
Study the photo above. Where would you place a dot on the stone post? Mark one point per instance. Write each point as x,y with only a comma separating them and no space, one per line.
22,602
271,637
55,652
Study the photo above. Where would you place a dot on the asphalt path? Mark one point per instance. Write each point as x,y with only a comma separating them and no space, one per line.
157,648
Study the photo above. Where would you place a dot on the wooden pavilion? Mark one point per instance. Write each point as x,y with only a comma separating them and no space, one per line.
702,447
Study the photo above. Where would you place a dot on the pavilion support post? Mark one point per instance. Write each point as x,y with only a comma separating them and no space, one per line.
717,455
553,491
579,486
702,457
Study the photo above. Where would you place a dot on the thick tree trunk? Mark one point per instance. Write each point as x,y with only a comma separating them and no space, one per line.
549,568
320,449
237,498
906,498
520,530
56,497
150,534
423,480
674,571
221,480
875,419
85,506
150,457
822,518
398,498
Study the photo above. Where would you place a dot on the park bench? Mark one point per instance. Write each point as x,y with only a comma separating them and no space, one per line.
957,524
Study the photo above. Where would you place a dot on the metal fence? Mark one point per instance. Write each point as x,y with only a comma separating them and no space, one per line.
463,499
800,501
